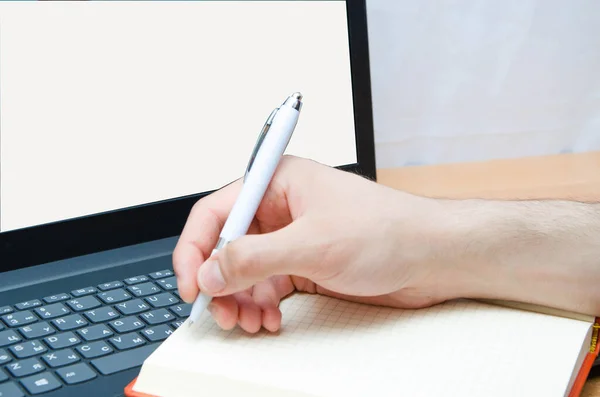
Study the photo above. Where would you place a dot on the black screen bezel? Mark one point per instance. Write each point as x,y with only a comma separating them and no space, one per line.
114,229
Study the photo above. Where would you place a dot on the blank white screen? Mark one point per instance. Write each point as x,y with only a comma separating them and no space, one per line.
106,105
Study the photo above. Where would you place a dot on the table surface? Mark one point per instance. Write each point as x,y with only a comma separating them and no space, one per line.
564,176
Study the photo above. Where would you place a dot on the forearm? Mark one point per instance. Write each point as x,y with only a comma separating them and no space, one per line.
541,252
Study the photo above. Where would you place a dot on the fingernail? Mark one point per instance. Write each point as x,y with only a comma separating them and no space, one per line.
210,278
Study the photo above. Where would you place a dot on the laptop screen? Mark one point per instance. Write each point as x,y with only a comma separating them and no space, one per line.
109,105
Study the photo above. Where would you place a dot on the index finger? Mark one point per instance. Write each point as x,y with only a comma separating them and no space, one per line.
200,235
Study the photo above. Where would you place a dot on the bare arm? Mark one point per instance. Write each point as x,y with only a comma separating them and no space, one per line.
541,252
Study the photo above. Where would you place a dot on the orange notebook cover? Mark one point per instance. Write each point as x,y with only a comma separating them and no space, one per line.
587,363
575,391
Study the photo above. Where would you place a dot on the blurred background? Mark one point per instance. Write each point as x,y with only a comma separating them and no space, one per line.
474,80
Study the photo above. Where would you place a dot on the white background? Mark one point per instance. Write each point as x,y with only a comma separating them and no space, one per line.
476,79
111,104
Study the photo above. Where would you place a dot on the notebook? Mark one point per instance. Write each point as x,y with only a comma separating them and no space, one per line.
329,347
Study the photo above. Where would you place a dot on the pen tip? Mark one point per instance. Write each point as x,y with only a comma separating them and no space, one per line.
297,96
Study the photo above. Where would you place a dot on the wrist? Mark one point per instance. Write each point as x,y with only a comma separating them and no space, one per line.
472,241
431,246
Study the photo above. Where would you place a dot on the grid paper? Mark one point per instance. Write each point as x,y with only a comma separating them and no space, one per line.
330,347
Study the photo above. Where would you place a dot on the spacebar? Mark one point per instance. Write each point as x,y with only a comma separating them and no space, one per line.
124,360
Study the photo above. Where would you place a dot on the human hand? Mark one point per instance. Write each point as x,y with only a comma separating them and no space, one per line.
317,230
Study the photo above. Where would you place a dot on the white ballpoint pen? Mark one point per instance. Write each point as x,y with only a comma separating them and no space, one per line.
267,153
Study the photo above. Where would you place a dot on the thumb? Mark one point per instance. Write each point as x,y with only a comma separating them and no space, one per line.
255,257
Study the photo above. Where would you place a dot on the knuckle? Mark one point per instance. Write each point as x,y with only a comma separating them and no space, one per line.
197,208
177,258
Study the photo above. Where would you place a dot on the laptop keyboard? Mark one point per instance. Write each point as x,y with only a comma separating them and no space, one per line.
76,336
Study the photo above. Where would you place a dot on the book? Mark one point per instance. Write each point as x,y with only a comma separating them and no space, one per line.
330,347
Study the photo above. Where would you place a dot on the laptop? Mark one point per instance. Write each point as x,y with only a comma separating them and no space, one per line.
116,117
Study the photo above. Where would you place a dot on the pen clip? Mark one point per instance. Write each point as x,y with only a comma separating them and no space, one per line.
260,140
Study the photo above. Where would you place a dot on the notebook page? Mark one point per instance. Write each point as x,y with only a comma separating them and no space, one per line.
329,347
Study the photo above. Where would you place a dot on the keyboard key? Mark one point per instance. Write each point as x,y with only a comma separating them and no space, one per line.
95,349
84,303
161,274
158,333
61,358
4,357
10,389
37,330
76,373
40,383
132,307
95,332
110,285
102,314
127,341
162,300
18,319
84,291
60,341
3,377
52,311
124,360
56,298
136,280
114,296
27,349
5,310
69,322
28,304
126,324
158,316
182,310
18,369
144,289
177,324
9,337
168,284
